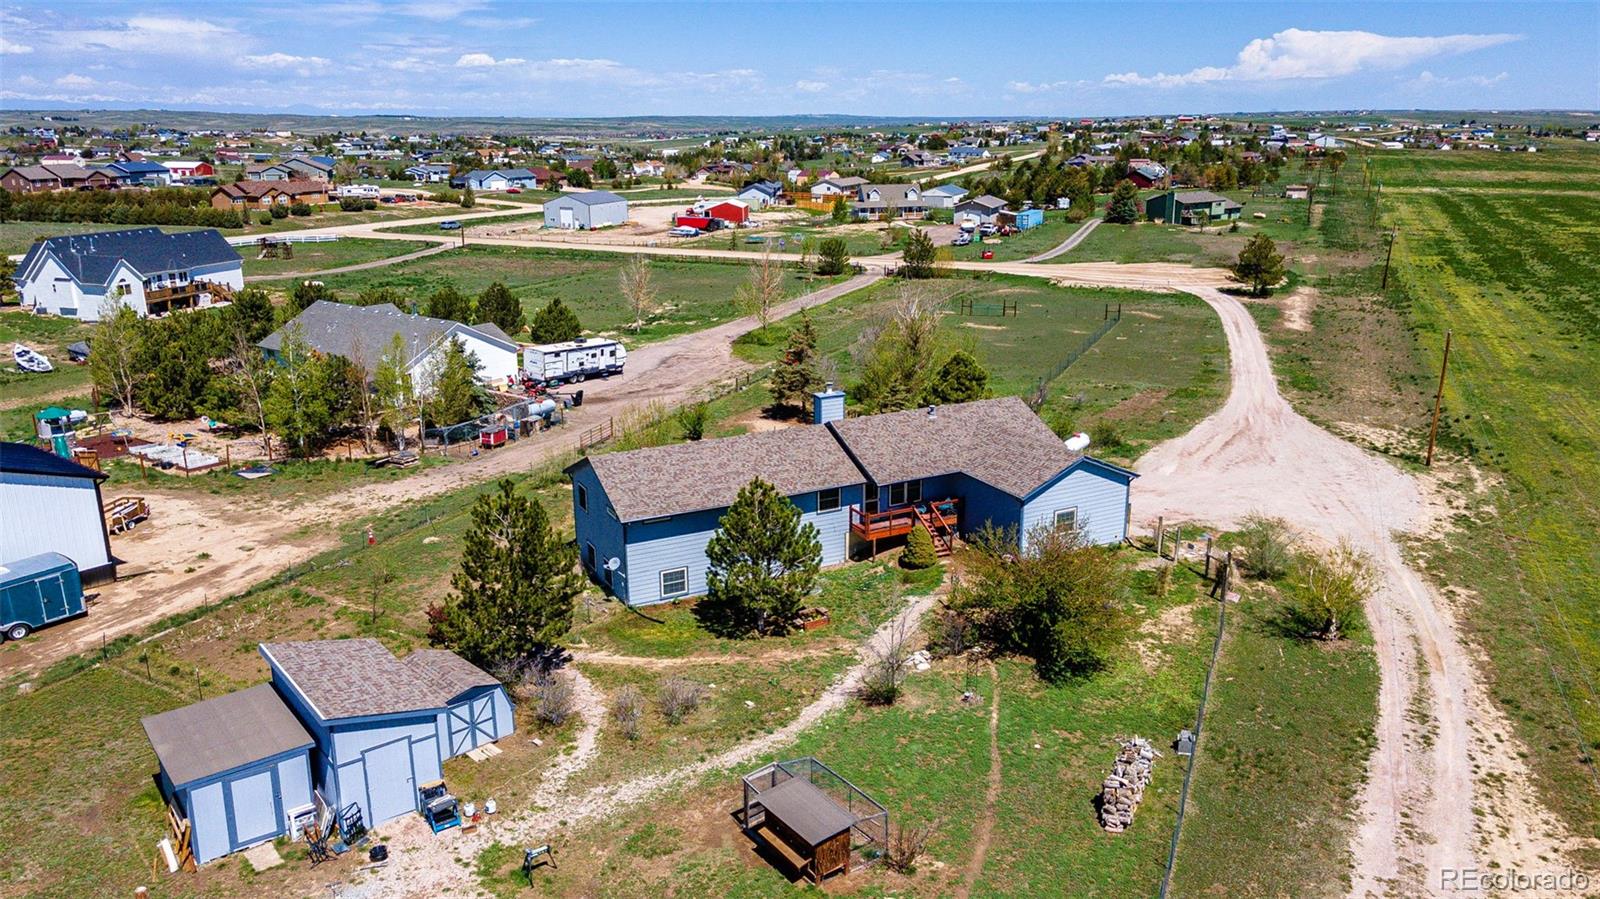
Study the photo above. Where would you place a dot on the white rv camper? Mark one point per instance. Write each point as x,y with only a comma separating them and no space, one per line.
574,360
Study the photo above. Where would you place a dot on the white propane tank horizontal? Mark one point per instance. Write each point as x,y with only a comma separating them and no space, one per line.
1078,442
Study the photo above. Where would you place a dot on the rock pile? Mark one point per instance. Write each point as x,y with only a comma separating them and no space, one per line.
1124,787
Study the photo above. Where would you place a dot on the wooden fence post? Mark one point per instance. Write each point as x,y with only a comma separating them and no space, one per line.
1161,534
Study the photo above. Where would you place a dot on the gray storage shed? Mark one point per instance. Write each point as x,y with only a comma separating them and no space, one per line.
584,210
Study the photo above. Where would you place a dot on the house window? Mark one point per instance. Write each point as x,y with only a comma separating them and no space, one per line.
583,498
905,493
123,289
588,556
674,582
828,500
1067,517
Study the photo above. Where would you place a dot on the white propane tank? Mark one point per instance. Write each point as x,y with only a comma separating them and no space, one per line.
542,408
1078,442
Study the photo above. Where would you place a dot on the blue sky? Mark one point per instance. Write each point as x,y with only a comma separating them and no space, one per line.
490,57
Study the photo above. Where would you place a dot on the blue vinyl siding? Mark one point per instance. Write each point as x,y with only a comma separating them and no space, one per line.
1099,493
984,506
236,809
680,542
599,527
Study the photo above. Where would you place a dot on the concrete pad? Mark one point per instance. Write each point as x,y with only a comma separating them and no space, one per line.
263,857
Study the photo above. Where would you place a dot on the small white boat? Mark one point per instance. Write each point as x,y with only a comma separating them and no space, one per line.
30,360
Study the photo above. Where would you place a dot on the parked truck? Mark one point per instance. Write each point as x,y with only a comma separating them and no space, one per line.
36,591
575,360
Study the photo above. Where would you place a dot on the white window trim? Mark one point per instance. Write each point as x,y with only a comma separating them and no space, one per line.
838,503
1055,517
663,578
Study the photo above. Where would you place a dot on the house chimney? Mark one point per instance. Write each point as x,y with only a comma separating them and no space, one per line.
827,405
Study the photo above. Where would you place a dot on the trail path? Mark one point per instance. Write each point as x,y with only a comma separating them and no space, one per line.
435,867
1066,245
248,542
983,834
1435,800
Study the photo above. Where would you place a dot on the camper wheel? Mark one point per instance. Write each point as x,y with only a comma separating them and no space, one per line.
578,378
17,631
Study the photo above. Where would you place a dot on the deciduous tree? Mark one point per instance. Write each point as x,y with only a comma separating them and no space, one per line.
635,283
114,357
297,406
763,290
919,255
454,392
833,256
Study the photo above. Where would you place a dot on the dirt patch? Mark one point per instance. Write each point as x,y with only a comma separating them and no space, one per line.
1175,625
1144,313
983,327
1297,308
1136,406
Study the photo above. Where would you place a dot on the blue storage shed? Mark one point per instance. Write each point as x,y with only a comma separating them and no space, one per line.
237,767
37,591
1029,218
382,727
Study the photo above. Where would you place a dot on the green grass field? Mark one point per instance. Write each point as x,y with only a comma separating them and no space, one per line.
693,294
311,257
1285,223
49,335
1511,269
1031,242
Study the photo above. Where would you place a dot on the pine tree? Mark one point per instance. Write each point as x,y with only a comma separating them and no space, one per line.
796,378
512,597
555,323
307,292
918,255
450,304
252,308
497,305
468,200
841,210
763,564
1260,264
833,256
919,552
961,379
1124,208
175,363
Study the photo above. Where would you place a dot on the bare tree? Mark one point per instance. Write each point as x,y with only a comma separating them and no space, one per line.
886,664
637,287
366,404
252,374
907,845
764,290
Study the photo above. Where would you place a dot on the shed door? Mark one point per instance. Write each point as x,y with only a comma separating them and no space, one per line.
566,217
254,801
391,790
462,732
483,730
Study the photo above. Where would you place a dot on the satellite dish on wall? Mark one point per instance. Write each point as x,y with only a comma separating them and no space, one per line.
613,563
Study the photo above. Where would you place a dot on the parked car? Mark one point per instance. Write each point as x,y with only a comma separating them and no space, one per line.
684,231
988,229
513,190
451,225
961,239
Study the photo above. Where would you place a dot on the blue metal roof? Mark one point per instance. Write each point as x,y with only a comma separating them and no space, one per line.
20,458
91,258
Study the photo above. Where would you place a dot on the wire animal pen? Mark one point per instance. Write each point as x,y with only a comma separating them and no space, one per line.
866,821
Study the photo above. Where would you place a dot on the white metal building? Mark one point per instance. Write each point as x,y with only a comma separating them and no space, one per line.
585,210
51,504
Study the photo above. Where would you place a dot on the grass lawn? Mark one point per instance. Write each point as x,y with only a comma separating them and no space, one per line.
860,239
1216,246
311,257
1031,242
1286,718
693,294
49,335
510,216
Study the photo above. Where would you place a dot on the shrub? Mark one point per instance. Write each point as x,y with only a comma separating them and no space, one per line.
627,710
1265,541
679,697
369,204
264,218
1105,435
1328,592
833,255
350,204
919,552
279,212
907,845
950,633
300,209
693,418
553,699
886,666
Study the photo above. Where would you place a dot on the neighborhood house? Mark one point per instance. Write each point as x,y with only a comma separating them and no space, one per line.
363,334
645,517
1191,207
152,272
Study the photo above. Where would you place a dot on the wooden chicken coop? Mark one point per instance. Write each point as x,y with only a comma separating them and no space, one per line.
816,820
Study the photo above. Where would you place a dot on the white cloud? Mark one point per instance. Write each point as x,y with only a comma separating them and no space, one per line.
148,34
73,79
10,47
1300,54
1040,87
284,61
441,10
811,87
1427,79
484,60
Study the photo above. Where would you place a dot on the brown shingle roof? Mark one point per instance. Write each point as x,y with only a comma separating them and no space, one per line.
223,733
352,678
448,673
691,477
1000,442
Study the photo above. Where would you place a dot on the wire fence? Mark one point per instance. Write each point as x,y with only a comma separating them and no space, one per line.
1041,390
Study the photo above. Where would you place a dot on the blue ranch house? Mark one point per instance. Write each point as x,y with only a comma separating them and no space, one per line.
644,517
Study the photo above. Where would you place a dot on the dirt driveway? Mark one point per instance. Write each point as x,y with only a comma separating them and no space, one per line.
1448,792
245,543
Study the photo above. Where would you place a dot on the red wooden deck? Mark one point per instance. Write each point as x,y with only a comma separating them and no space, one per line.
940,517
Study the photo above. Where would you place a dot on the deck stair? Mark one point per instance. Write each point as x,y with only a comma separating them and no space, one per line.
941,529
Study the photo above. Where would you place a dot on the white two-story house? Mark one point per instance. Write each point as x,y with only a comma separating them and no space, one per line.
83,275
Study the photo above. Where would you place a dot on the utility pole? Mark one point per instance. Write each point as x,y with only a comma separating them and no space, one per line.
1393,235
1438,399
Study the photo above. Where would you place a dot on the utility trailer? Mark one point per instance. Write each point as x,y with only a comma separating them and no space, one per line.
37,591
575,360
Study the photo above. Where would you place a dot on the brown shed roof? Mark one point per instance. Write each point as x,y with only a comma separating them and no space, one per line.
707,474
449,674
1000,442
220,734
352,678
805,810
